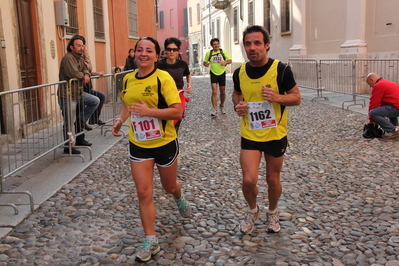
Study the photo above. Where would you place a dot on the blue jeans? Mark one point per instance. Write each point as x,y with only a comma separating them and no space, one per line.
67,111
89,101
96,115
86,106
380,114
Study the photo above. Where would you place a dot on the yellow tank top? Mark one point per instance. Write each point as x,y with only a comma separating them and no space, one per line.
263,121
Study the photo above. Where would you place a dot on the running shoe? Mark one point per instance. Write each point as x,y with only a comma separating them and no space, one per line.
222,110
248,224
149,248
213,114
184,207
273,221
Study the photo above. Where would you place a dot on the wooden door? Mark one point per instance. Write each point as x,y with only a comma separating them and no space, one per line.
27,59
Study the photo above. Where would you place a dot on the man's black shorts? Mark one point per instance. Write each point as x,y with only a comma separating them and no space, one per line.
218,79
275,148
163,156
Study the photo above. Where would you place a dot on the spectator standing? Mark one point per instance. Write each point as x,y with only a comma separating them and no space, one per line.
217,59
178,69
73,66
88,87
384,103
130,61
151,101
263,87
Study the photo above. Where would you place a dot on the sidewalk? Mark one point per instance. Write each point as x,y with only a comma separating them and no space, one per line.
46,176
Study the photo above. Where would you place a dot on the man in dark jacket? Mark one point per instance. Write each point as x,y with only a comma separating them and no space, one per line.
73,66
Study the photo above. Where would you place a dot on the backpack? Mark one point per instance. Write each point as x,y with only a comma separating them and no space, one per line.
371,131
221,52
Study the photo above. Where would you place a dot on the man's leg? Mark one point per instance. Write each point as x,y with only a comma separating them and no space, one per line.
222,98
66,113
273,169
380,114
91,103
249,160
214,97
96,115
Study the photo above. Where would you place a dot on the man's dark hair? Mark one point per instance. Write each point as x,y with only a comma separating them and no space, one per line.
256,28
214,40
73,39
172,40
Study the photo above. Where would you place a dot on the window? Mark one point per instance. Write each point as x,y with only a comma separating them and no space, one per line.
198,14
185,26
73,18
98,13
203,35
218,28
250,13
171,18
132,18
266,15
235,24
161,20
190,16
285,16
213,29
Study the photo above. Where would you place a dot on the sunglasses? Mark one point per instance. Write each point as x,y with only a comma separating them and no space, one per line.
172,49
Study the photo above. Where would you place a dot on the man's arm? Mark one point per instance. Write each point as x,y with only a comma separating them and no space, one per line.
291,98
72,71
206,62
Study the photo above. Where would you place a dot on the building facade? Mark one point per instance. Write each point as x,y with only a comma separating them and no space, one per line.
319,29
34,35
172,22
194,36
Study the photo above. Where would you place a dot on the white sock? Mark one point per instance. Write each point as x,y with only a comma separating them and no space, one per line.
152,238
254,210
270,211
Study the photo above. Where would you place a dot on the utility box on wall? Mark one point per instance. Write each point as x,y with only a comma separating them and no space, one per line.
61,13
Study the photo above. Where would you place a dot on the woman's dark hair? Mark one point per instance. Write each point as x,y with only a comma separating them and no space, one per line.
117,68
73,39
256,28
155,42
131,49
172,40
214,40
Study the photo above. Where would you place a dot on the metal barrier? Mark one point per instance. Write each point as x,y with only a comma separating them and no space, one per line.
32,128
33,124
344,76
307,75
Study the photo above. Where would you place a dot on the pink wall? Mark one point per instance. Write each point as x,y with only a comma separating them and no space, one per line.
173,23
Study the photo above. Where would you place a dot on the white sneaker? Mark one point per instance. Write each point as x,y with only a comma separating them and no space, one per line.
248,224
273,220
213,114
222,111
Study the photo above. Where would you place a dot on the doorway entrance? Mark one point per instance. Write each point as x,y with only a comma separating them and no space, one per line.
27,60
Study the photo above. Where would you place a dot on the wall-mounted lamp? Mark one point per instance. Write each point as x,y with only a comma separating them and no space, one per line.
388,24
3,43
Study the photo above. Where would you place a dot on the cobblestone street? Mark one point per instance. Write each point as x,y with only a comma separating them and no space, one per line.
340,202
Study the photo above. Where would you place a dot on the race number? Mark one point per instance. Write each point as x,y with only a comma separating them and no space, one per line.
261,115
145,127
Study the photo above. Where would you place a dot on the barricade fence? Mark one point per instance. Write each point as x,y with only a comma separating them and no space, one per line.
347,76
33,123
